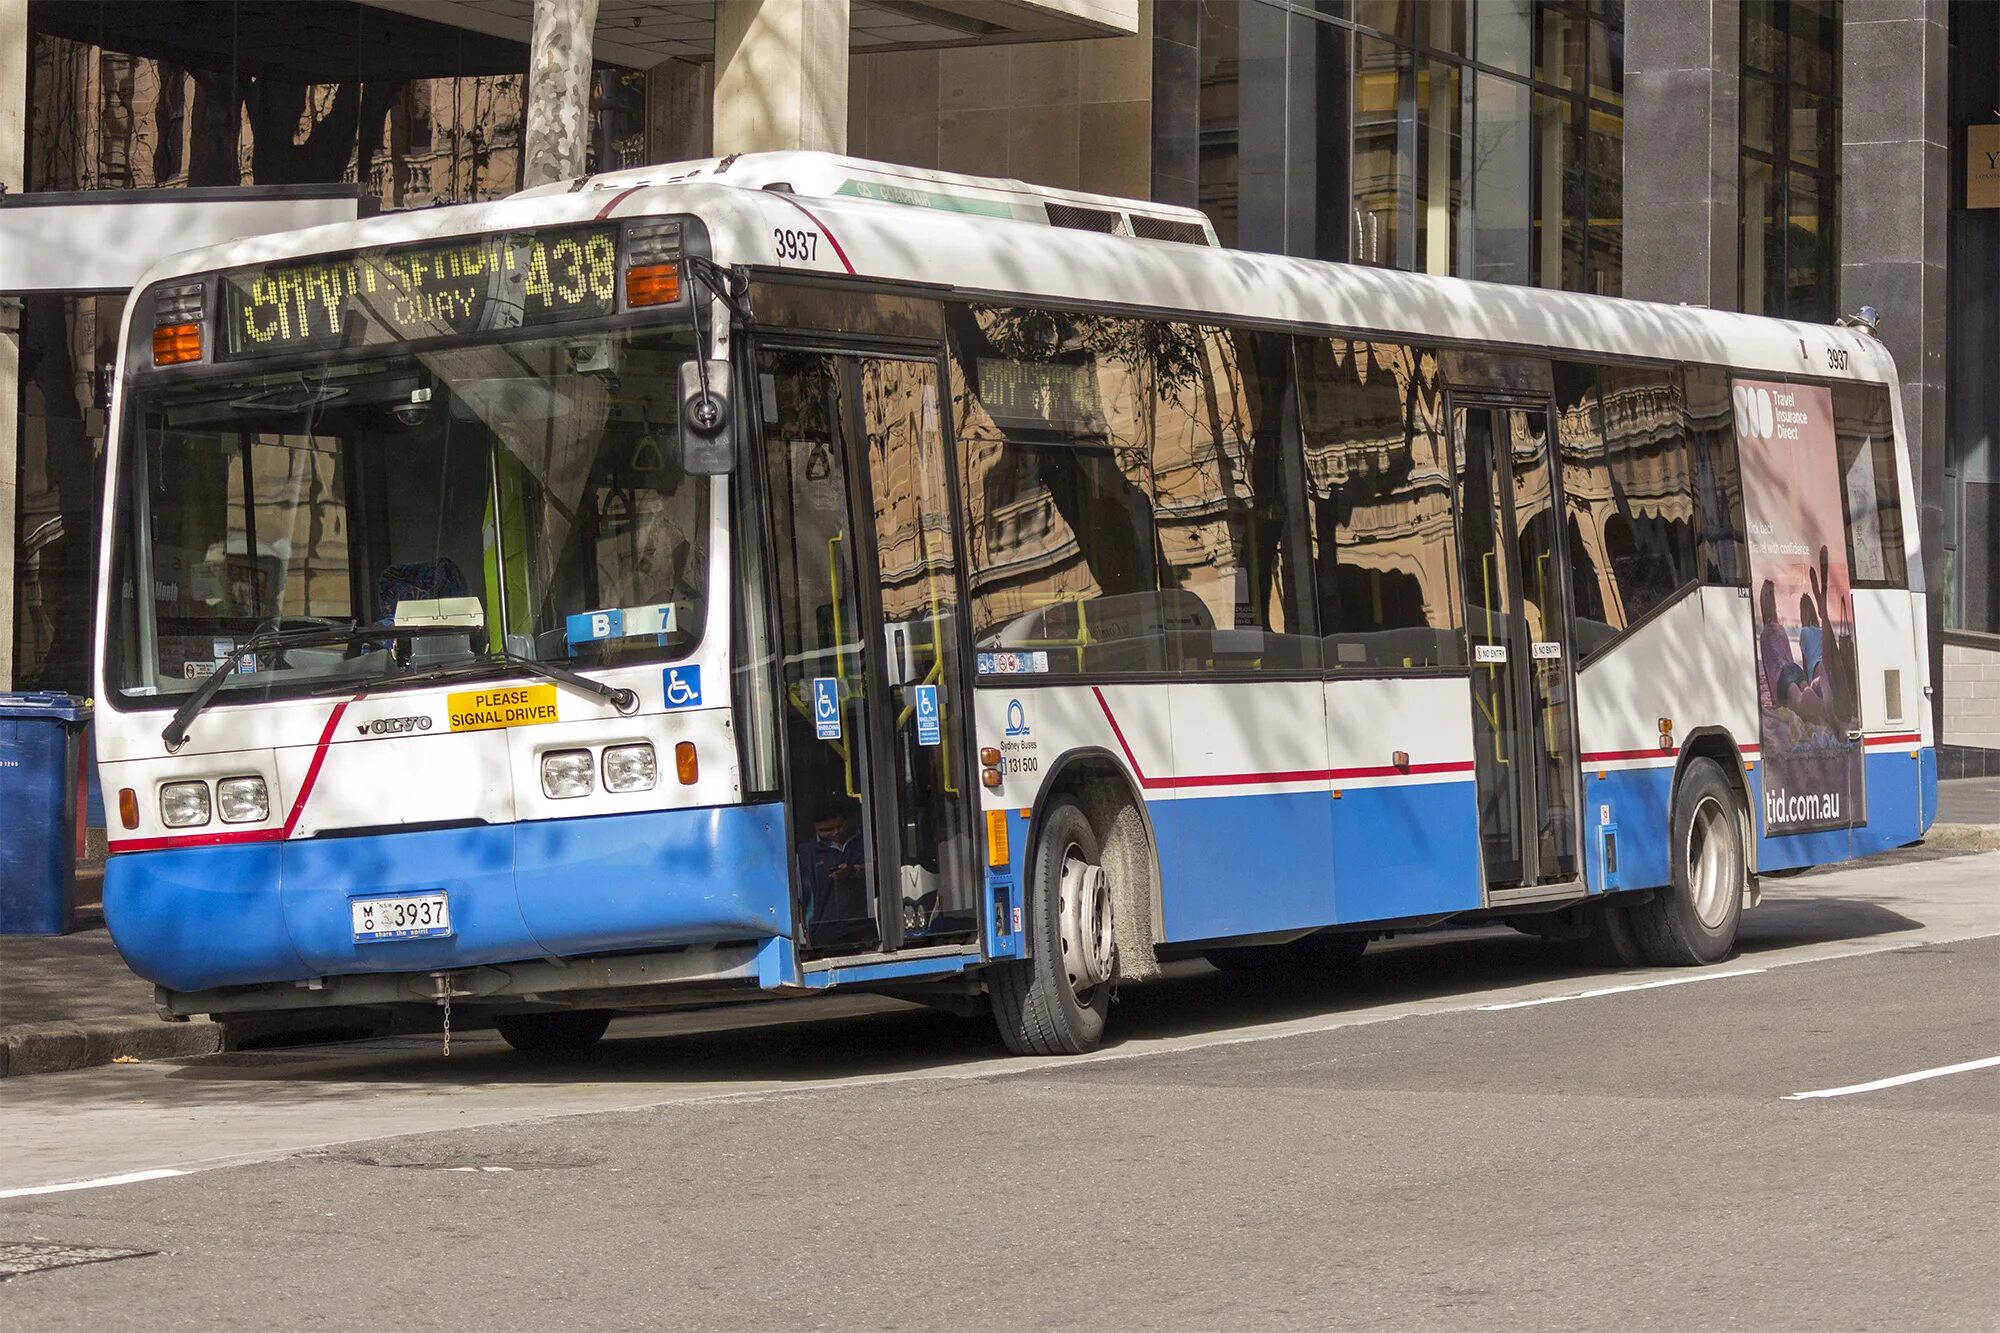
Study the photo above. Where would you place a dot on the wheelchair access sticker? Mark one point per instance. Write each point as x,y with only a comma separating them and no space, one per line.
928,731
826,708
682,686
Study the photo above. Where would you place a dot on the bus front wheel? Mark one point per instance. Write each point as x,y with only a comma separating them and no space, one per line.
1693,920
1055,1001
556,1032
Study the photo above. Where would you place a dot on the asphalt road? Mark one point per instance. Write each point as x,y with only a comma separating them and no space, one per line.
1478,1131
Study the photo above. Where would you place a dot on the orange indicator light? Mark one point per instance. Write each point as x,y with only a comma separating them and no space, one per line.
128,807
176,343
686,766
652,284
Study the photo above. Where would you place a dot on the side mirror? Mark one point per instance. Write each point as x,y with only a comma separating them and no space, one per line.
708,419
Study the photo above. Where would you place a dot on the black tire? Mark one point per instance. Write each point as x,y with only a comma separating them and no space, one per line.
1693,920
1035,1003
557,1032
1613,941
1311,957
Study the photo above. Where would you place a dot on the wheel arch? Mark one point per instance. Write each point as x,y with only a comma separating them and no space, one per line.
1719,744
1101,783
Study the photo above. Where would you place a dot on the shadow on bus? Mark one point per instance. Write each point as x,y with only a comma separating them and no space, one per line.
778,1044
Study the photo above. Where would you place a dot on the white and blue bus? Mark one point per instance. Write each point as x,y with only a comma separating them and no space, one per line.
787,572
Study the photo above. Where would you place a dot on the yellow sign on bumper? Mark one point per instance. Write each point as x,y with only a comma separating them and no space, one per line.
508,706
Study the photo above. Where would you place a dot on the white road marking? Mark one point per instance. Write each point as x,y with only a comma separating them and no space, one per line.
1895,1082
129,1178
1620,990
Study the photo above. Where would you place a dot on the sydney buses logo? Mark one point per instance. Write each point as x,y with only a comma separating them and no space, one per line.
394,726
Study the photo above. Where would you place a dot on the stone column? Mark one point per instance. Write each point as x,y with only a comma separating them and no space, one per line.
678,102
558,112
780,75
1895,167
1682,211
13,163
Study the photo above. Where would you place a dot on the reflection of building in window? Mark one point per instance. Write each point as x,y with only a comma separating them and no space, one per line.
1056,475
1628,492
1380,493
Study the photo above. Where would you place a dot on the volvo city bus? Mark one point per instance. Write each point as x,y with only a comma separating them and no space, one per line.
786,572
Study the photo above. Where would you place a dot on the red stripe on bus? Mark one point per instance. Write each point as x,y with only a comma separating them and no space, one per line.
1911,739
312,769
826,230
1608,756
618,199
1283,775
221,837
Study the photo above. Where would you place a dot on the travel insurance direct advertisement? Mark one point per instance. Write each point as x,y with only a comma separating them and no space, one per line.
1802,608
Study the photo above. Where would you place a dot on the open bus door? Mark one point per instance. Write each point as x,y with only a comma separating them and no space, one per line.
1518,620
879,787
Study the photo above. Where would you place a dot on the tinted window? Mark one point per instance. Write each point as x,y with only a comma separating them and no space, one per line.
1221,493
1628,492
1378,487
1870,499
1053,421
1720,555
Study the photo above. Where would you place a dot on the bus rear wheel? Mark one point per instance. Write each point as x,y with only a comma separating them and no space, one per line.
1693,920
1055,1002
557,1032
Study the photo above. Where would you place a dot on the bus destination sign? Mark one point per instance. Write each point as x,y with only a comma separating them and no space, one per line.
410,292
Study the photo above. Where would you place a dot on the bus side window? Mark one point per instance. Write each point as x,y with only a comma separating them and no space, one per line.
1054,435
1378,487
1628,493
1222,501
1720,552
1871,501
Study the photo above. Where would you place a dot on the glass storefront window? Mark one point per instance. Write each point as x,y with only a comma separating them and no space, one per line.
1789,158
1481,140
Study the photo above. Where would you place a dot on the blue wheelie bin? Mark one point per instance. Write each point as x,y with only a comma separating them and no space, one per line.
41,745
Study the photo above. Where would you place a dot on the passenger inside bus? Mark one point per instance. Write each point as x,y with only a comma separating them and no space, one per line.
833,877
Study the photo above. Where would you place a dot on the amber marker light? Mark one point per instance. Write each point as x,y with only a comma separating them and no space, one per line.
174,344
652,284
687,767
996,838
128,807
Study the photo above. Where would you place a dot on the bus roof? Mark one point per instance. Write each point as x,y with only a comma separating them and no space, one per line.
874,238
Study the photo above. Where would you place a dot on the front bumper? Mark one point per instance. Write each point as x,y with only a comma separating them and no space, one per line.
200,918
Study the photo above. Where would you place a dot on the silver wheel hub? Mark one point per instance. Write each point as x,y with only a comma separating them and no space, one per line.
1714,867
1090,953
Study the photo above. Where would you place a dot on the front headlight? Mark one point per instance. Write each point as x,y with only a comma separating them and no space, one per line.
243,800
630,768
184,804
567,773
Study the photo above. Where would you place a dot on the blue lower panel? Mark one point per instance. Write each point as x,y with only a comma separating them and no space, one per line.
207,916
1637,801
587,885
204,917
1241,865
1244,865
1411,849
1899,800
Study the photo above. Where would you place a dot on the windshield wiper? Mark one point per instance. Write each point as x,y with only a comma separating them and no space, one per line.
624,700
175,734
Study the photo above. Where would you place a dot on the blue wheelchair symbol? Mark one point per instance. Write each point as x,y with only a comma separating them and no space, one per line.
928,732
826,708
683,686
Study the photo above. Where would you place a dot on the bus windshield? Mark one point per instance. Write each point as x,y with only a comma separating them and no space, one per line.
527,491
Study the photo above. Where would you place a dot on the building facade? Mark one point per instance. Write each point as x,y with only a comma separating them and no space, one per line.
1802,159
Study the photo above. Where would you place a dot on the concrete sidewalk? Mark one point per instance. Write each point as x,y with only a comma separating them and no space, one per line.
69,1002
